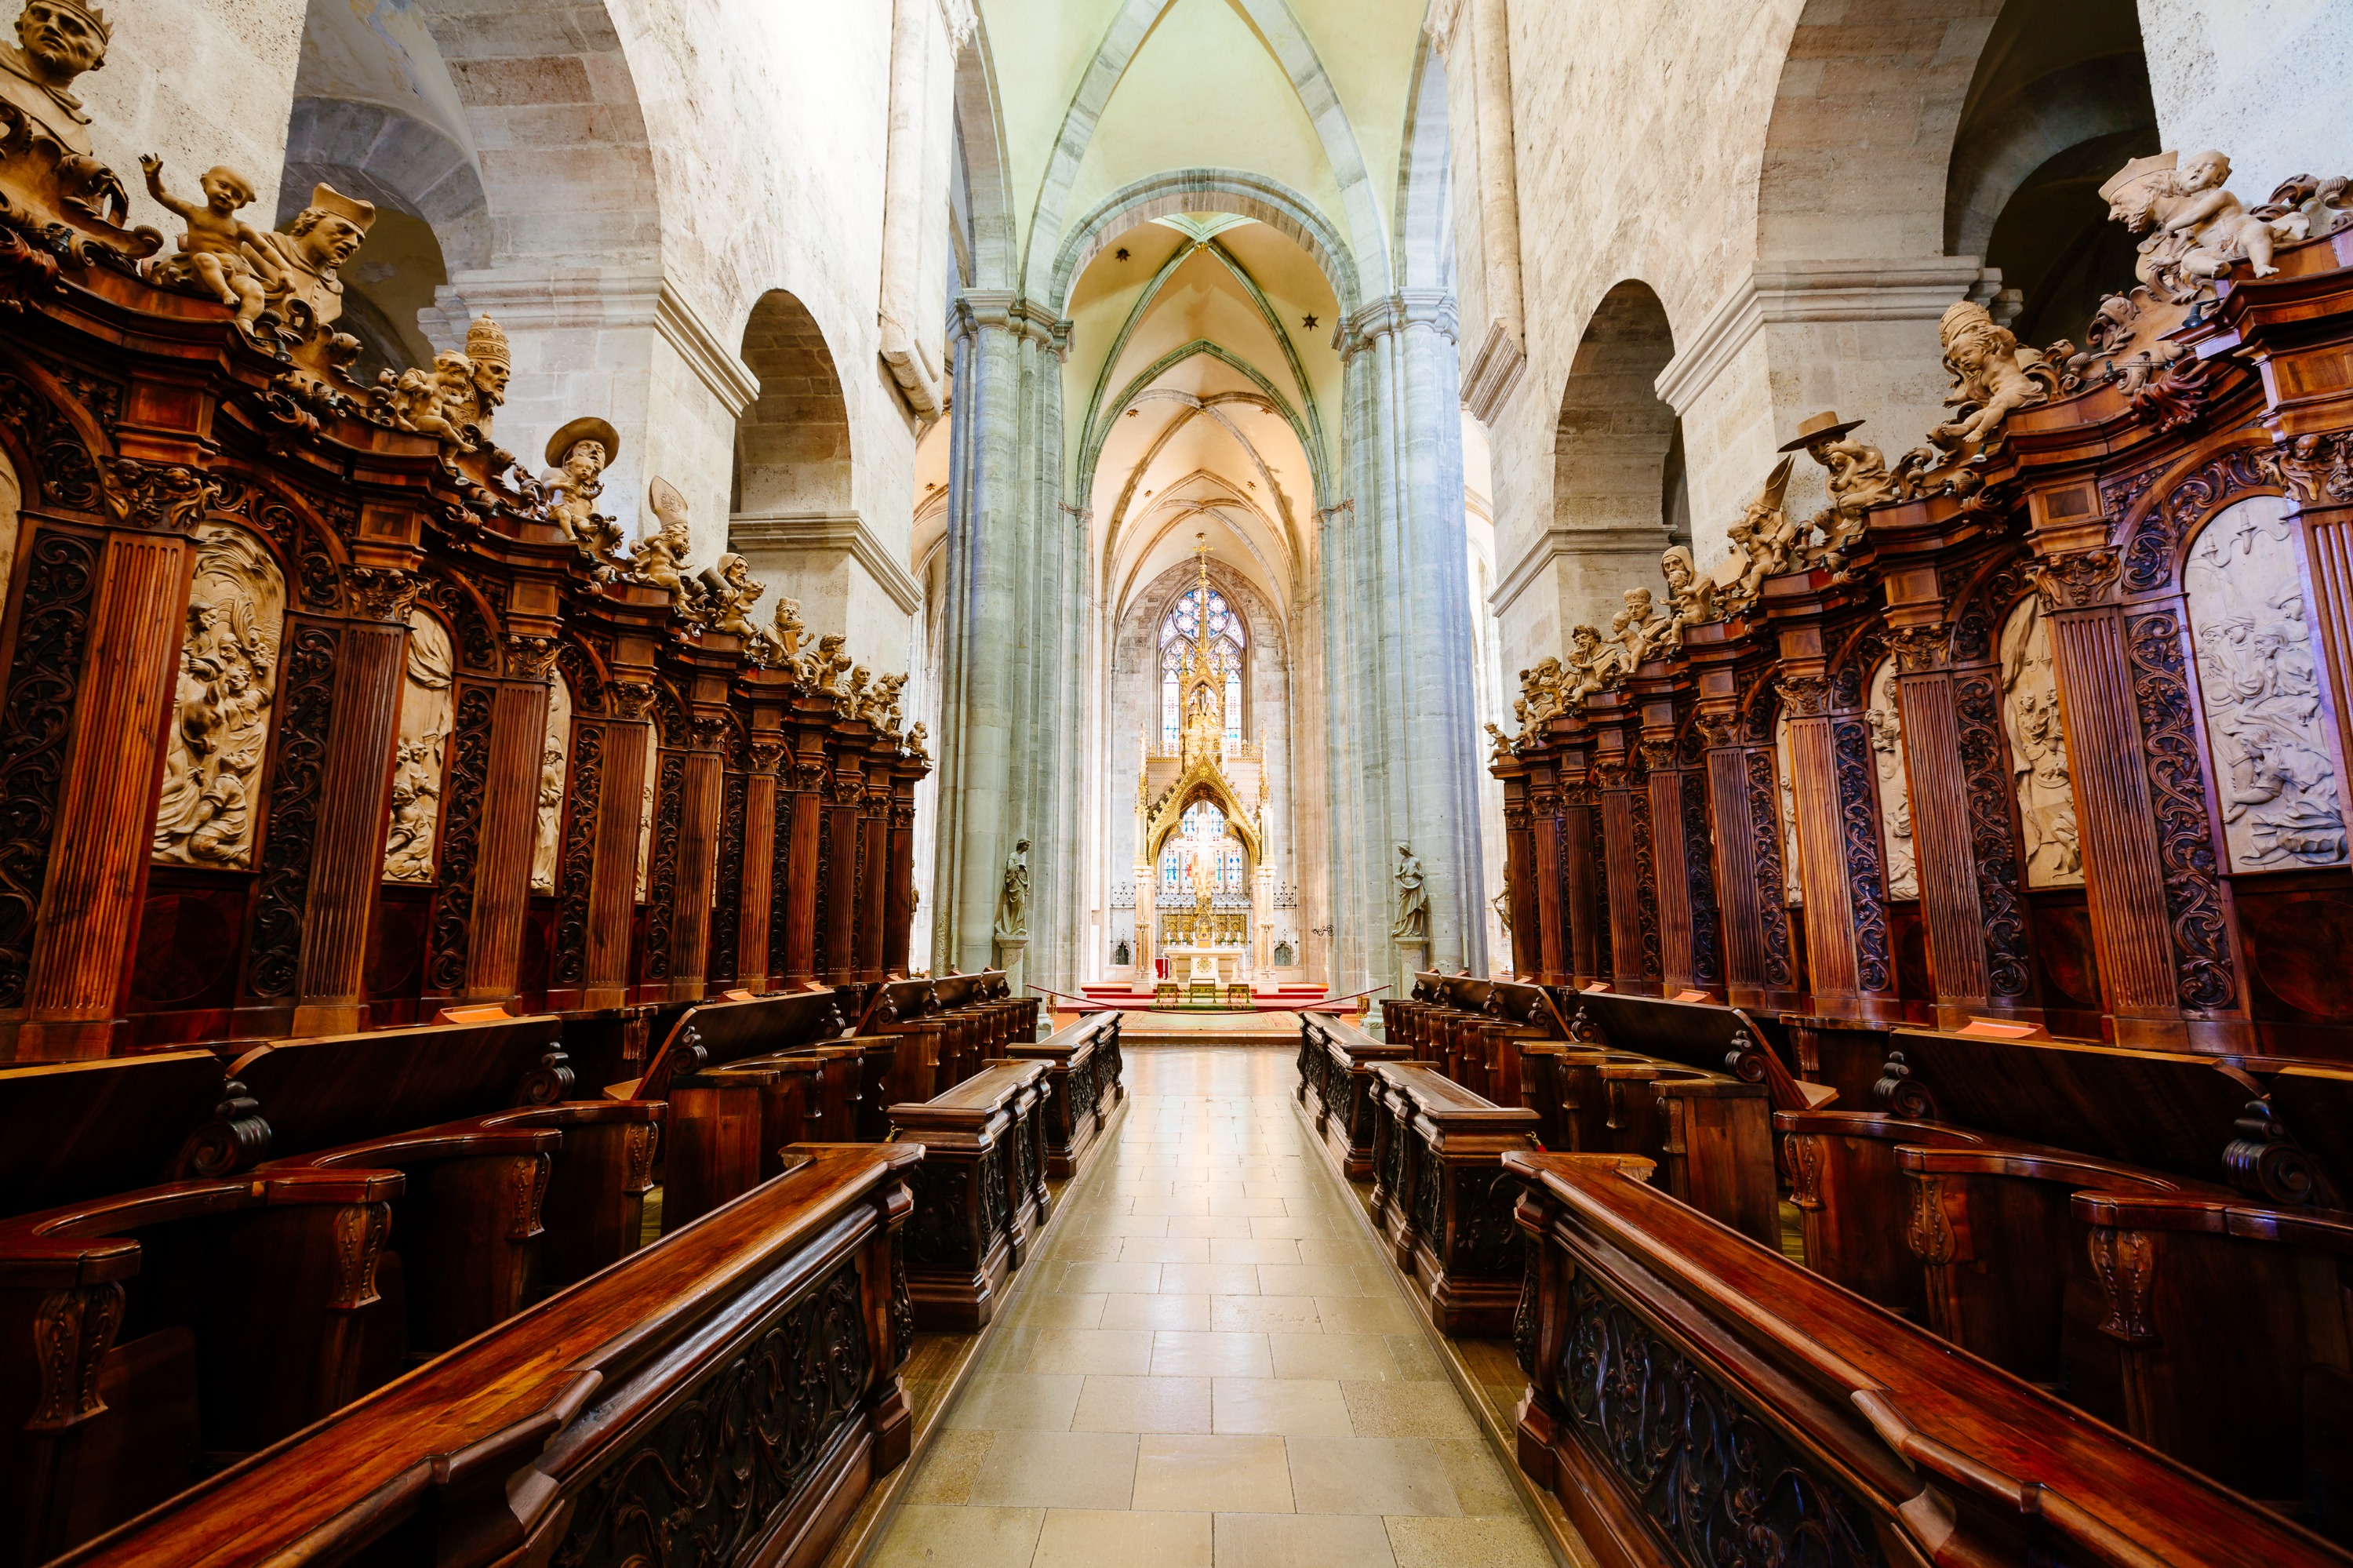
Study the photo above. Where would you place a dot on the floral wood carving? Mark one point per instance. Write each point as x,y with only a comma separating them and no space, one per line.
661,892
727,899
452,934
2149,555
1597,916
1765,855
2205,979
228,680
780,887
1993,852
2311,468
708,1483
282,891
577,866
1699,882
1858,781
2074,582
35,723
1711,1478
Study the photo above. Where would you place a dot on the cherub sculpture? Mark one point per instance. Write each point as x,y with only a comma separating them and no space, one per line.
1858,480
217,250
886,703
1763,539
823,667
659,560
1993,375
1650,632
1692,596
1502,742
916,735
729,592
424,400
1541,697
2197,229
1588,667
577,456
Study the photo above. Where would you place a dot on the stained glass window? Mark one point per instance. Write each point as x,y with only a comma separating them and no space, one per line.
1226,638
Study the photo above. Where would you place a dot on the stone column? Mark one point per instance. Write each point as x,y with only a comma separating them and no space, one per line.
1400,740
1009,701
1147,923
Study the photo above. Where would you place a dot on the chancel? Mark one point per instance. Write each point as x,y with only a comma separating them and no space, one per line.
1210,782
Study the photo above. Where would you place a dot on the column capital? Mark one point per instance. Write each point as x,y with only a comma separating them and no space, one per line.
1432,308
1002,310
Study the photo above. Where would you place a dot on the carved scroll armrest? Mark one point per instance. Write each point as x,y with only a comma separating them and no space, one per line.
476,1138
87,1244
584,1113
2327,1230
2036,1162
1874,1125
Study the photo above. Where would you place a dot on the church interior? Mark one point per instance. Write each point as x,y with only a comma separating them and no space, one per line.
1224,783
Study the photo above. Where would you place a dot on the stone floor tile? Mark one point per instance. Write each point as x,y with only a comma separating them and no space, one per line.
1156,1312
1104,1278
1050,1309
1274,1250
1361,1358
1210,1225
1301,1279
1057,1470
1177,1354
925,1536
1213,1278
1303,1540
1165,1249
1078,1538
1368,1475
1143,1405
1286,1407
1408,1410
1249,1208
1245,1475
1342,1250
1109,1351
1453,1543
1259,1314
1481,1487
1415,1359
1366,1314
999,1400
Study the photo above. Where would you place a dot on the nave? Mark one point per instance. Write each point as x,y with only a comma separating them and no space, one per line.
1210,1364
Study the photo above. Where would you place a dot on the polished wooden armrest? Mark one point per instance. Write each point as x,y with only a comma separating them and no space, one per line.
2029,1162
2222,1215
84,1243
475,1138
1875,1124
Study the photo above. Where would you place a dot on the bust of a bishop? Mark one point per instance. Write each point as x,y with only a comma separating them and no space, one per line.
57,40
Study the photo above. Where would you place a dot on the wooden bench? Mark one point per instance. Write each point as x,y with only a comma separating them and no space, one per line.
1082,1074
1693,1393
1442,1199
736,1384
980,1193
1336,1087
1708,1035
71,1131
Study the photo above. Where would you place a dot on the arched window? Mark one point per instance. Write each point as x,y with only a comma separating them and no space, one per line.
1182,624
1201,831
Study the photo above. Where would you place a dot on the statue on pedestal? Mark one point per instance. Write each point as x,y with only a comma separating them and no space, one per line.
1013,900
1413,899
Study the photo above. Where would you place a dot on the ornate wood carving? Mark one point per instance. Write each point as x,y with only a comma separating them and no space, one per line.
1765,854
576,867
1992,844
282,892
1857,784
661,890
729,898
227,682
2156,543
2204,975
35,722
453,910
1699,882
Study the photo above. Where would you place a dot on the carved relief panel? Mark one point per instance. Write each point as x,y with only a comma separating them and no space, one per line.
2038,750
2275,769
555,757
220,711
1785,772
645,813
421,753
1886,727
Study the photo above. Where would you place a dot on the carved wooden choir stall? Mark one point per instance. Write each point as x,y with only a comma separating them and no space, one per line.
424,922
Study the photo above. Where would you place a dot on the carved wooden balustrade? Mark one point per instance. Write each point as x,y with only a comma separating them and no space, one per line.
1336,1087
1694,1396
1083,1086
980,1193
738,1382
1442,1199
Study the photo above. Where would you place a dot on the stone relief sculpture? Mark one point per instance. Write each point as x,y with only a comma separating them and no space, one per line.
1785,774
554,760
1013,896
646,811
1885,722
2281,800
217,250
2038,751
1412,899
428,707
236,611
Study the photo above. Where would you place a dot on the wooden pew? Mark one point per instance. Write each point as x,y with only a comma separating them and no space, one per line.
1083,1073
1708,1035
980,1193
766,1341
1336,1087
1695,1398
1442,1202
71,1131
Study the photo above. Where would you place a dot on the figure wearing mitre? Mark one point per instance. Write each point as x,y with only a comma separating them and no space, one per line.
305,293
1763,539
490,363
660,560
1993,375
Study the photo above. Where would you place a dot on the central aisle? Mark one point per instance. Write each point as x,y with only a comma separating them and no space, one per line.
1212,1365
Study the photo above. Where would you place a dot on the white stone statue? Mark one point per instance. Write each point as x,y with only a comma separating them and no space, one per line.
1013,897
1885,720
427,710
1412,899
2038,751
236,610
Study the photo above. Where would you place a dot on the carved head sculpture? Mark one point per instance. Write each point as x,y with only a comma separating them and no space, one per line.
1639,604
1817,435
2132,191
1676,566
486,346
224,189
327,232
63,38
2207,171
1583,641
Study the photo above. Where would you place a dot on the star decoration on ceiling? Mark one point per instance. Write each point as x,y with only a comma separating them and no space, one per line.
1121,254
1307,322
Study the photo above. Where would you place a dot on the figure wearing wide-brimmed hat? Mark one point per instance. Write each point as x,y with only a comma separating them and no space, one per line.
1858,480
577,456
